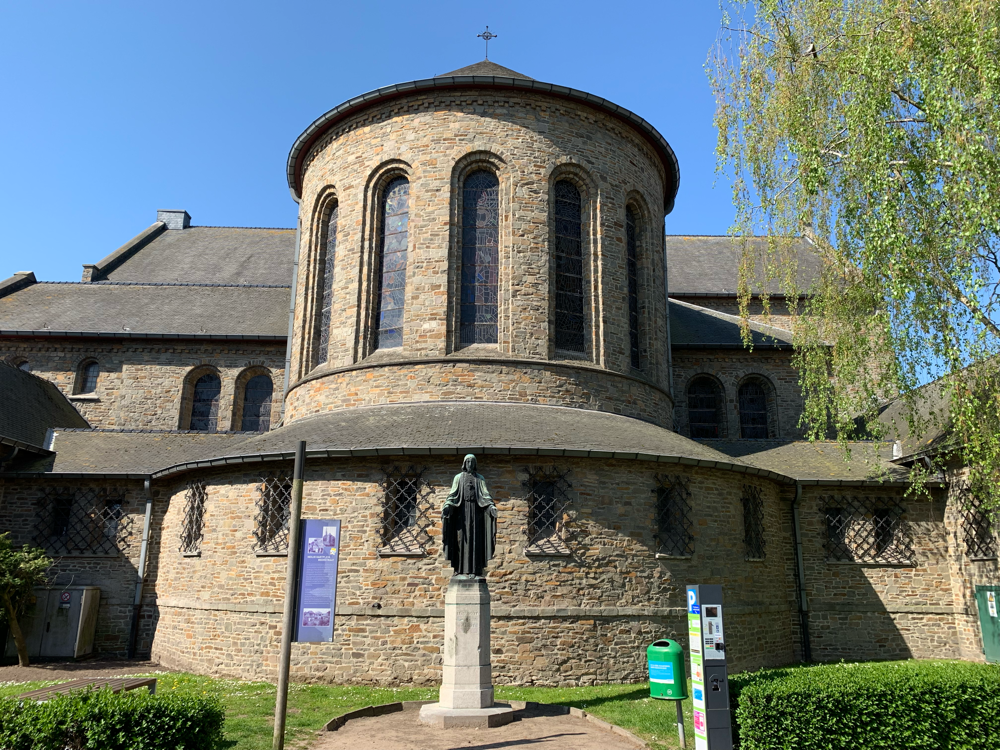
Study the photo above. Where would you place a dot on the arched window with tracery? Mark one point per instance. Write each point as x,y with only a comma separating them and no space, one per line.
704,408
392,264
569,315
324,303
480,258
754,417
205,403
87,377
257,393
632,270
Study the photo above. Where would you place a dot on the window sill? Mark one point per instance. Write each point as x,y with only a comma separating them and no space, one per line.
873,563
661,556
86,555
271,554
529,552
84,397
991,558
389,552
755,559
571,355
190,554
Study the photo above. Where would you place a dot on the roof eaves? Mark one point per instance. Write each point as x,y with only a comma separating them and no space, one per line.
140,335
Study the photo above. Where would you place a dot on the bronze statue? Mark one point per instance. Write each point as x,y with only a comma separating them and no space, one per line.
469,522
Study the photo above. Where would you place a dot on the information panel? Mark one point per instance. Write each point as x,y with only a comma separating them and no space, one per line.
317,595
697,670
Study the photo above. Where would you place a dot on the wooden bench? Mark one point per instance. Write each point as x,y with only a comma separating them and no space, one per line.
116,684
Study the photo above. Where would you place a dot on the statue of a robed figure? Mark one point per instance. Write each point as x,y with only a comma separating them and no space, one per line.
469,522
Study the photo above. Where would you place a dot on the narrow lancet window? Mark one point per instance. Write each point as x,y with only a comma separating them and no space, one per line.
205,403
88,377
632,258
480,258
328,256
257,404
392,264
569,328
753,411
703,408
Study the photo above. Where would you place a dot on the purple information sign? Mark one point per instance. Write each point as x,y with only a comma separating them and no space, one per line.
317,599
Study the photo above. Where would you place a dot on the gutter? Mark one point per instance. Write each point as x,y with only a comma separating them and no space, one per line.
800,576
140,580
135,335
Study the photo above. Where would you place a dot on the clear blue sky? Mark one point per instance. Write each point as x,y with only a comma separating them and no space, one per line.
114,109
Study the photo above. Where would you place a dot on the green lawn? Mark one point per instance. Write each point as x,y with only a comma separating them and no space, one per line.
250,706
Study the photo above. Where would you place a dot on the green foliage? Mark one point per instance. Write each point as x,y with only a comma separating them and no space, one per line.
20,571
876,706
100,720
871,128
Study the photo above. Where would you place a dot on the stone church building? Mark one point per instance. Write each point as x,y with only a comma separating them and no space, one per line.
480,266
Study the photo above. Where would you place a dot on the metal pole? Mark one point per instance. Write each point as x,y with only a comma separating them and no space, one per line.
680,723
288,618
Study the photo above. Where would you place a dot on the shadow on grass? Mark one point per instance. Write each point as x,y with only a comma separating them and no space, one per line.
592,701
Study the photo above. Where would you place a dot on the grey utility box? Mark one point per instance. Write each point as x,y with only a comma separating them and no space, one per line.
61,624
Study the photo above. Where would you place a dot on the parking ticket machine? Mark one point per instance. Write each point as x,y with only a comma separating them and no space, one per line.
709,678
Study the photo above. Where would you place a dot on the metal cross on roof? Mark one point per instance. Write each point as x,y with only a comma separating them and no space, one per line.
486,36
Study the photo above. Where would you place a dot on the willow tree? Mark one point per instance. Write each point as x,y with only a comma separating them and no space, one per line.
871,128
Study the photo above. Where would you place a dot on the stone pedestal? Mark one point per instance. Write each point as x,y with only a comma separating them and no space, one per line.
466,697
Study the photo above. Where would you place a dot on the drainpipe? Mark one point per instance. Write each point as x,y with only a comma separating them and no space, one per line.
291,318
800,575
140,580
666,301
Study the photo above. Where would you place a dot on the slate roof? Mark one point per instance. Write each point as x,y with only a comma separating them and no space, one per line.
30,405
212,255
933,415
486,68
709,266
823,462
694,327
136,309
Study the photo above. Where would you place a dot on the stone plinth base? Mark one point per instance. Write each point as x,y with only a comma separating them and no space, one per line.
466,675
437,715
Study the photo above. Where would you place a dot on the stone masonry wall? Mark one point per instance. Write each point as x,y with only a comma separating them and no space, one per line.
580,618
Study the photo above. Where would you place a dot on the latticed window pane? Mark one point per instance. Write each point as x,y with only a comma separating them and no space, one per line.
753,523
274,505
673,517
867,529
88,377
392,263
480,258
703,408
328,257
632,262
83,522
978,525
753,410
405,511
205,403
548,511
569,307
194,518
257,404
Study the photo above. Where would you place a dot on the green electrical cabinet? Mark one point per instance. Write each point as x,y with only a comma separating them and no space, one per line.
988,599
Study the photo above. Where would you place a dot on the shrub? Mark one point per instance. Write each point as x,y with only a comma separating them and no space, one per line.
876,706
100,720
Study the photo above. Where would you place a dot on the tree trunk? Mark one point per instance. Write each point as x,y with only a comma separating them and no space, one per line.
15,630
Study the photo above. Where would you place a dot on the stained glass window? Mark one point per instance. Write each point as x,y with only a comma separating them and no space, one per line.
328,255
480,258
392,262
569,267
753,410
88,377
703,408
257,404
205,404
632,257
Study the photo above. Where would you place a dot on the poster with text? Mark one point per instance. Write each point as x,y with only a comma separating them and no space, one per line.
317,595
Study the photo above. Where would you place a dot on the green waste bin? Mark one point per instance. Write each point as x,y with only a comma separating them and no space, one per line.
667,679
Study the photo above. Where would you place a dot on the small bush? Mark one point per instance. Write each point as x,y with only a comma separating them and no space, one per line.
100,720
876,706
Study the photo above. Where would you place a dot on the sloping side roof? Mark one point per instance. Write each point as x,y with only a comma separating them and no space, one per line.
816,462
709,265
933,420
111,307
694,327
30,406
213,255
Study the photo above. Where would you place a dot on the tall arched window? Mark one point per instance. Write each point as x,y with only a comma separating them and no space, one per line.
327,259
704,402
205,403
632,261
24,365
480,258
569,328
392,264
87,377
753,410
257,404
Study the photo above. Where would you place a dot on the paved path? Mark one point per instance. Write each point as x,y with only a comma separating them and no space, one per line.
89,668
541,728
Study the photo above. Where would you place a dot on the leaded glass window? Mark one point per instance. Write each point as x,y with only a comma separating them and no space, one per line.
753,410
88,377
205,403
257,404
632,263
569,329
328,256
703,408
480,258
392,263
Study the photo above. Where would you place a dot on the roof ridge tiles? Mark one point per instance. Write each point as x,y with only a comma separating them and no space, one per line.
220,226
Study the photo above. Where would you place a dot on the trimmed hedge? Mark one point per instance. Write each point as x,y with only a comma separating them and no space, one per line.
100,720
876,706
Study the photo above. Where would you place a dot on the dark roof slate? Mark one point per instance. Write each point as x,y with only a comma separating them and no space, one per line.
819,461
693,327
142,309
486,68
30,406
213,255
